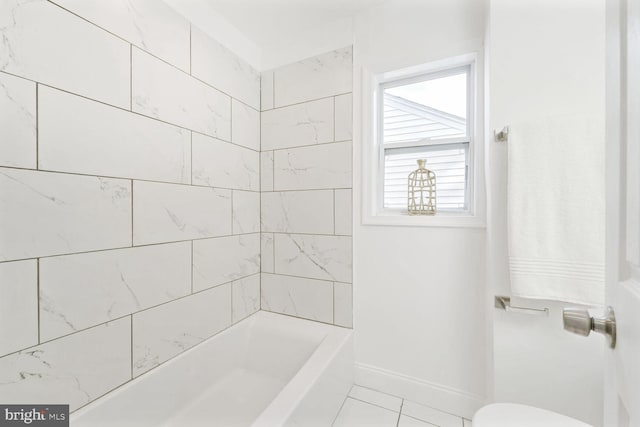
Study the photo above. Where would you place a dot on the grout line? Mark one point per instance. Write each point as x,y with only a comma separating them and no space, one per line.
130,111
130,247
131,334
331,281
334,211
305,101
37,128
400,413
38,294
132,242
131,179
321,144
131,77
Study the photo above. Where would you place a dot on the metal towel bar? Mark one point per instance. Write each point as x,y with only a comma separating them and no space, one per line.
504,303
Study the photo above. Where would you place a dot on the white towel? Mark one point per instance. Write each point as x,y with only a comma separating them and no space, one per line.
556,200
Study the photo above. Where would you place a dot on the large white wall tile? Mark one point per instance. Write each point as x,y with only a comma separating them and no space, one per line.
45,43
163,332
298,212
343,304
308,298
318,257
323,75
245,125
266,90
218,66
83,136
245,296
218,163
166,93
344,117
170,212
344,212
72,370
149,24
17,122
303,124
49,213
223,259
266,171
246,212
74,297
267,252
320,166
18,305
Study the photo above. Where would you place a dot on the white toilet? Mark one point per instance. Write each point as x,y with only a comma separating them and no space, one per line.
514,415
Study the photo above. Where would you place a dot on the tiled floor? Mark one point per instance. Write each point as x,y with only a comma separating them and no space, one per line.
370,408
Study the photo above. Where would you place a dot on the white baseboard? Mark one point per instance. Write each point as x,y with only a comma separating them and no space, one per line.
437,396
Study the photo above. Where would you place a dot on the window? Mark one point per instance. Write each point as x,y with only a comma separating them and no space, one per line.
429,116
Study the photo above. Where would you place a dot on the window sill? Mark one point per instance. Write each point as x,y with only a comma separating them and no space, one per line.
442,220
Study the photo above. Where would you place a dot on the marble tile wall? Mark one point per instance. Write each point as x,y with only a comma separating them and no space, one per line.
130,194
306,181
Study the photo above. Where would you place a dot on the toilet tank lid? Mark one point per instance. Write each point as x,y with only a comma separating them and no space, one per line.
515,415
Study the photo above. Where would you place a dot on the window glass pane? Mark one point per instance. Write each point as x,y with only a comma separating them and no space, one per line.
448,162
435,108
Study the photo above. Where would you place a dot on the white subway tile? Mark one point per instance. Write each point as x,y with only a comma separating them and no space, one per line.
320,166
218,66
163,332
317,257
245,297
217,163
307,298
18,305
166,93
266,170
17,122
170,212
45,43
266,90
73,297
303,124
322,75
49,213
223,259
298,212
246,212
245,125
344,117
72,370
150,25
82,136
266,252
343,305
343,215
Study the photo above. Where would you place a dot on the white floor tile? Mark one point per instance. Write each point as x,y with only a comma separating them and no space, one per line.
431,415
412,422
355,413
376,398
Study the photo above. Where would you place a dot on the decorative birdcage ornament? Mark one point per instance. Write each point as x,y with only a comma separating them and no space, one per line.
422,191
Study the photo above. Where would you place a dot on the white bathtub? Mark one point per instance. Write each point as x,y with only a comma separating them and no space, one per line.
268,370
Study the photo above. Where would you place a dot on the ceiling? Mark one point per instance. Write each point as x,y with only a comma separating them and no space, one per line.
263,27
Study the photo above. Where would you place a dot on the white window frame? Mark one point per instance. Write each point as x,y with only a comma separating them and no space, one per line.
373,212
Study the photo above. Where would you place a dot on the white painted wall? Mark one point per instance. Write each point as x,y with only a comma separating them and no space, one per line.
418,292
546,58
